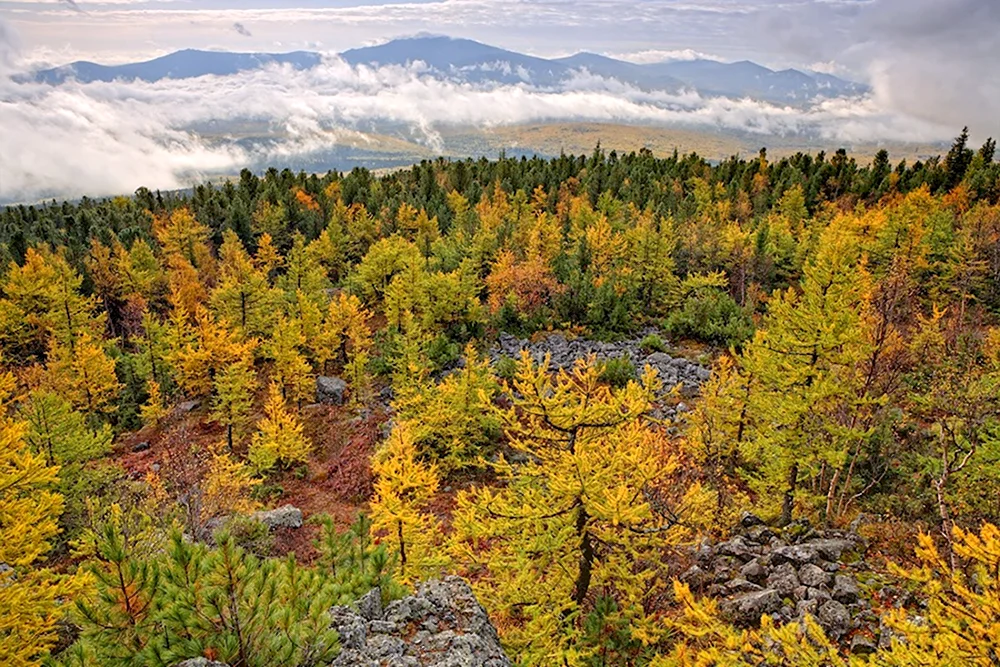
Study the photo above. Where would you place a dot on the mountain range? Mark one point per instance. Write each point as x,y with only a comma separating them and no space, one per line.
472,62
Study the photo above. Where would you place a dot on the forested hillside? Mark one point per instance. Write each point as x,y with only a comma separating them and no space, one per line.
160,356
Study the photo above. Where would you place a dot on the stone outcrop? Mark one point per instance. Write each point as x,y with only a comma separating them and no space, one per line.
286,516
787,573
441,625
330,390
564,354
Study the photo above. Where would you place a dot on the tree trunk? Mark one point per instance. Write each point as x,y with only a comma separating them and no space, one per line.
402,548
586,564
789,499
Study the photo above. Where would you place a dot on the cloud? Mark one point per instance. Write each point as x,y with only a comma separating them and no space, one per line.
108,138
659,55
242,29
929,59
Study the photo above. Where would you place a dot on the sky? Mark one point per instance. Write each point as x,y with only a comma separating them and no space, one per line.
931,65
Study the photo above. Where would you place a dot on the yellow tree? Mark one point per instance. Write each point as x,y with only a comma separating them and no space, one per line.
292,372
804,368
577,515
243,296
235,385
44,294
279,438
29,513
961,622
228,483
85,374
404,486
451,421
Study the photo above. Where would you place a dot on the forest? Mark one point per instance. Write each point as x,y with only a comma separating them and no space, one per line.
159,357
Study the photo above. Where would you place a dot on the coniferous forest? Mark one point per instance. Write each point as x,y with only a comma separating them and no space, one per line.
174,363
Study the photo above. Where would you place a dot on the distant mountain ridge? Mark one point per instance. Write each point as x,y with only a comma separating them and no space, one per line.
186,64
468,61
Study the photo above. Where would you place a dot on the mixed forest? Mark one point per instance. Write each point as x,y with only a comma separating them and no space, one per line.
160,354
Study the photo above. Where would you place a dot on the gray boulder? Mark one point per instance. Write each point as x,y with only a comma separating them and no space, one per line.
441,625
834,618
783,579
845,589
747,609
286,516
330,390
813,575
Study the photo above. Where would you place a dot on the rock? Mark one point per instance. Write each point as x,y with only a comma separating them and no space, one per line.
754,571
140,447
330,390
797,554
737,547
739,585
813,575
862,645
833,548
441,625
370,605
200,662
817,594
695,577
845,589
286,516
834,618
803,607
783,579
760,534
748,520
746,609
187,406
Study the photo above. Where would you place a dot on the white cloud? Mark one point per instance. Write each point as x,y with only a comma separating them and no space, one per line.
659,55
104,138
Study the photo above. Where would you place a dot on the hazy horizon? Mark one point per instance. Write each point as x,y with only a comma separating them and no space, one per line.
927,64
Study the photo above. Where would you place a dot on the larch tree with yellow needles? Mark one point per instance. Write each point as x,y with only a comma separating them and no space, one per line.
29,514
403,488
576,516
279,438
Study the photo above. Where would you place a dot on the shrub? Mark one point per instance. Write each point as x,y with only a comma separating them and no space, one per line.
652,343
711,316
618,371
505,368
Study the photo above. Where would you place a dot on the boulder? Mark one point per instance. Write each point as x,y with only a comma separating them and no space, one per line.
813,575
441,625
140,447
862,645
834,618
330,390
286,516
783,579
746,609
200,662
754,571
845,589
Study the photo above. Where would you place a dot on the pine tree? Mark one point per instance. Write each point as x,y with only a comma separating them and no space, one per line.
243,297
154,409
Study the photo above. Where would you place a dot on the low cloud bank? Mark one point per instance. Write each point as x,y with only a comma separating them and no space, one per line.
108,138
